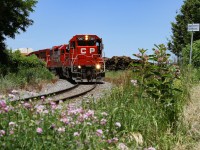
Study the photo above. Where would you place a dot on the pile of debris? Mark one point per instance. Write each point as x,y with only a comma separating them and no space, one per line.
119,63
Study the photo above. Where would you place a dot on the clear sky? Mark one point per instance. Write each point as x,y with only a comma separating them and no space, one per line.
124,25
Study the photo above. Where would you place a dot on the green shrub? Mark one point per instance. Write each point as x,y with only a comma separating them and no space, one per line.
19,61
23,70
195,54
156,80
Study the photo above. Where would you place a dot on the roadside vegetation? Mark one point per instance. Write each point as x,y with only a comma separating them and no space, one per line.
143,111
23,72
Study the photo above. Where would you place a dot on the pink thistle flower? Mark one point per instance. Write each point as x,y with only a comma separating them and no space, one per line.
80,110
65,120
89,123
146,57
6,109
72,124
90,113
52,126
118,124
46,111
11,96
53,107
99,132
160,59
52,103
40,108
151,148
27,105
11,132
104,114
81,118
115,140
138,54
157,52
2,96
60,101
122,146
134,82
43,97
2,133
103,121
3,104
39,130
12,124
109,141
61,129
76,134
14,91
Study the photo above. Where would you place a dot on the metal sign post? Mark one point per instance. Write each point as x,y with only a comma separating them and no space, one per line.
192,28
191,49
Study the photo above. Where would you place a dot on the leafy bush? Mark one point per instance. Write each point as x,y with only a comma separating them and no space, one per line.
19,61
156,80
195,54
23,70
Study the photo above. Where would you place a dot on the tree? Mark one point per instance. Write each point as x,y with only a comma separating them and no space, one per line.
13,19
195,54
189,13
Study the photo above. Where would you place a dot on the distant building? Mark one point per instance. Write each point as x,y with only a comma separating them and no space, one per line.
24,51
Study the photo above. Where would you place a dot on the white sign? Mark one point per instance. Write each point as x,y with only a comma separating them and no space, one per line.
193,27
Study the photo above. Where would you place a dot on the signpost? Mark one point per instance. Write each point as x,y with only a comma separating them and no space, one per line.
192,28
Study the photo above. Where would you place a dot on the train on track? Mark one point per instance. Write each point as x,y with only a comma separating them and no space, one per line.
80,60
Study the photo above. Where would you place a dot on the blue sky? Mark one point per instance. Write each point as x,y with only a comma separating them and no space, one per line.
124,25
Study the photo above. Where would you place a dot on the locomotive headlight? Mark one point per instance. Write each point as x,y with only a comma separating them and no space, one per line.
98,66
79,67
86,37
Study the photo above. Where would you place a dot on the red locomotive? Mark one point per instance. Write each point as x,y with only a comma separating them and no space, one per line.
80,60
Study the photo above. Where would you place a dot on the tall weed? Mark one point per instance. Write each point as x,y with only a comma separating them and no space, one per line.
156,80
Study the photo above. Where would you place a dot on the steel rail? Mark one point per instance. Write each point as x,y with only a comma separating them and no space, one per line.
75,95
47,94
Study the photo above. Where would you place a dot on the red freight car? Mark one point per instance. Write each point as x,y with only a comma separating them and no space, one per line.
80,60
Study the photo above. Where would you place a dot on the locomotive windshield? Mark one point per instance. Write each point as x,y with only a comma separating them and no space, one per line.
86,43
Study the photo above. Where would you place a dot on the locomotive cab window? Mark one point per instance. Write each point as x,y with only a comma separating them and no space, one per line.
98,44
86,43
67,49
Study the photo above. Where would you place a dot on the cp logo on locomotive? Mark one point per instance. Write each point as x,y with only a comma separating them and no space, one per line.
83,50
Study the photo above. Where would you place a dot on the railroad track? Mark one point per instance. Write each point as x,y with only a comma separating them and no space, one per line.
62,95
83,89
